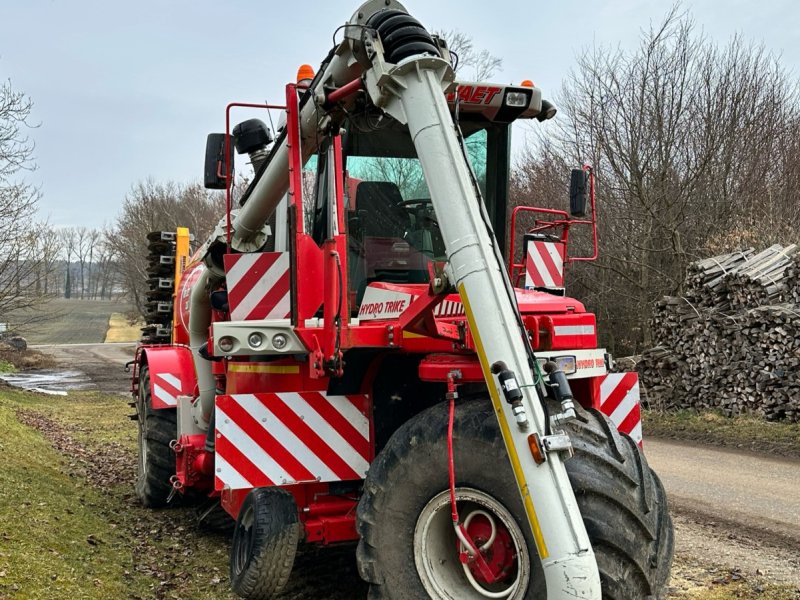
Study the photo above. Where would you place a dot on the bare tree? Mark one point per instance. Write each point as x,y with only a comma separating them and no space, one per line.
152,206
690,142
20,261
472,63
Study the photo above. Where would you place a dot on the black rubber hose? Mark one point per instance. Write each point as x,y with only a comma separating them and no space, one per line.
402,35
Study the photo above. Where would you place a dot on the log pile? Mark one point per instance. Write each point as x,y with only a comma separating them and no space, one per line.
732,341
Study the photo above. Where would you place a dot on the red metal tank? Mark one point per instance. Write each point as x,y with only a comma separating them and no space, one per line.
182,302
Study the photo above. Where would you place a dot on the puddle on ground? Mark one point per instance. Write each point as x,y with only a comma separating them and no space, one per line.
49,381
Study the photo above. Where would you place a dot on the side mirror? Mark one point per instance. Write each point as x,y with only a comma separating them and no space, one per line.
578,192
213,173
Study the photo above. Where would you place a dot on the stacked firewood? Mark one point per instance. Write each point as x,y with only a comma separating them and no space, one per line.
732,341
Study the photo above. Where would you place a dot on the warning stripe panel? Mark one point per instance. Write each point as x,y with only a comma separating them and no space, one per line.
619,400
258,285
164,390
291,438
544,264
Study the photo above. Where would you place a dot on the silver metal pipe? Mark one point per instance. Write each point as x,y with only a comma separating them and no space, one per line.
199,322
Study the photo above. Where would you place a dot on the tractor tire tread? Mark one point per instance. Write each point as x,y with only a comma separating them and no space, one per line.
277,534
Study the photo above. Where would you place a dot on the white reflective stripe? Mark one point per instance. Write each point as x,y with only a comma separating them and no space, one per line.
636,432
326,431
261,288
244,443
573,330
164,395
228,475
282,308
541,269
240,268
626,406
353,416
558,260
608,385
285,436
171,379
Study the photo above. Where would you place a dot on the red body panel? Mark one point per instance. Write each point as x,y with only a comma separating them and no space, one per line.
171,374
182,296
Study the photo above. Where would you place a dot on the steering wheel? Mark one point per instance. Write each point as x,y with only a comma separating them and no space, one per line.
415,202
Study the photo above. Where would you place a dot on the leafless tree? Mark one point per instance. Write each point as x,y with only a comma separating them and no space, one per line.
473,64
692,145
152,206
20,262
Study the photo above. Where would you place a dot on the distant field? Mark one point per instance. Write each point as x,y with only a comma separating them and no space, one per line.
73,322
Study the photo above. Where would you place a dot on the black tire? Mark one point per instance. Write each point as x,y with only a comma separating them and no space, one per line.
622,501
264,543
157,429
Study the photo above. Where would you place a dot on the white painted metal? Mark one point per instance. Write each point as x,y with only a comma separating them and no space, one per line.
415,90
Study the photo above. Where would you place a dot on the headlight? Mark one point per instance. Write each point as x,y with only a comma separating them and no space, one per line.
517,99
225,343
255,339
568,364
279,341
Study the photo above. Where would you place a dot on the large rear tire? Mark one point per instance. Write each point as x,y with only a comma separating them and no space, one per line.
157,429
622,502
264,543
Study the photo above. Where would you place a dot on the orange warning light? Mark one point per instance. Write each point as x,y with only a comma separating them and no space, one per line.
527,83
305,72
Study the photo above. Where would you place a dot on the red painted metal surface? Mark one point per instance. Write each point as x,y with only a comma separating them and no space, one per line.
171,374
193,465
182,302
437,367
285,375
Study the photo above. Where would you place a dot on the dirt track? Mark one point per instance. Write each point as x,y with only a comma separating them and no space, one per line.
733,509
103,363
734,512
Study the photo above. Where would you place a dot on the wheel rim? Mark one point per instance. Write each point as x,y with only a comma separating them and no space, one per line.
493,529
243,541
142,410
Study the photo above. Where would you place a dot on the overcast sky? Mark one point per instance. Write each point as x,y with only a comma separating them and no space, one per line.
128,90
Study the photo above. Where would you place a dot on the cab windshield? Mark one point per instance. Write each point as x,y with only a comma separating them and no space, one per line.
394,230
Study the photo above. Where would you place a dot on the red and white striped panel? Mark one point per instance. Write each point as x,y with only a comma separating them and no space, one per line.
449,308
258,285
544,264
280,439
619,399
164,390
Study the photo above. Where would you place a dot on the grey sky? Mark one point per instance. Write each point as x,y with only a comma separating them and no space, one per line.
129,90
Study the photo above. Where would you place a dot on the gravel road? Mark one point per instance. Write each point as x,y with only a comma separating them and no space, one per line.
103,363
731,508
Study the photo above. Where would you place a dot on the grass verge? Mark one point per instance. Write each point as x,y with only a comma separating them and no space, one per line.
742,432
70,526
121,329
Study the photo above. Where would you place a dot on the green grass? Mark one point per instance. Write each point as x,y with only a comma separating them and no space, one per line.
6,367
56,539
64,537
710,427
70,321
